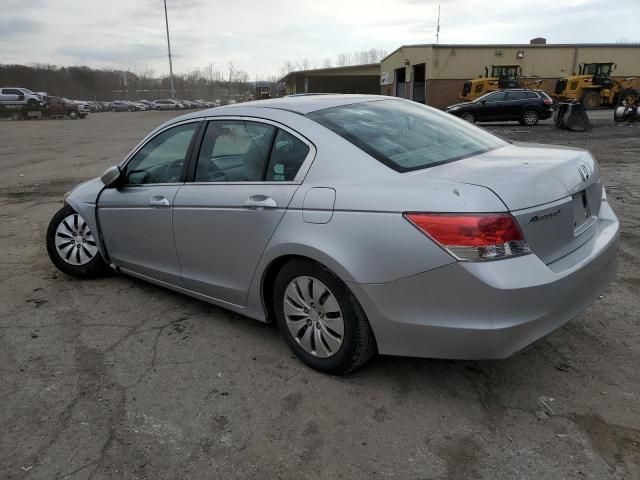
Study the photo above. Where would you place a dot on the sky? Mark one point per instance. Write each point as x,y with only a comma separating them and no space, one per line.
259,36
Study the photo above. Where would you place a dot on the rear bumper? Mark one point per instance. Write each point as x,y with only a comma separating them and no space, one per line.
493,309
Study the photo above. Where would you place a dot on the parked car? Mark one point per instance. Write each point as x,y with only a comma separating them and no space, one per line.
435,239
141,106
21,96
166,105
63,107
523,105
123,106
147,103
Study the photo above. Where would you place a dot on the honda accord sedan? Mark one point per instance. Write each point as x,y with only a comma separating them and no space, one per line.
359,224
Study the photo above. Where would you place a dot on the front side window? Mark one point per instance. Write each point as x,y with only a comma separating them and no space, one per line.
405,135
234,151
495,97
162,158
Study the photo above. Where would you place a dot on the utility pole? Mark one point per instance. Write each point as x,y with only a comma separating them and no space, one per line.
166,19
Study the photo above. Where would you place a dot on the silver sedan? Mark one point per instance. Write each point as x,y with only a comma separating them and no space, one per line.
360,224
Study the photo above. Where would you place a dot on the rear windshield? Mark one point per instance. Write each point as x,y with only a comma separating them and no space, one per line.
404,135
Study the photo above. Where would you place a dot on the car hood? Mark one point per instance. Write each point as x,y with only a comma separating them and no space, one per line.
461,104
525,175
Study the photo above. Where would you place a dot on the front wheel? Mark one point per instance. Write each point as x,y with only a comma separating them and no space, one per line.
320,319
591,100
529,118
468,117
72,247
73,115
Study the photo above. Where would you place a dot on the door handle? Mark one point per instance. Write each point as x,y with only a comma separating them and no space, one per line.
159,201
256,202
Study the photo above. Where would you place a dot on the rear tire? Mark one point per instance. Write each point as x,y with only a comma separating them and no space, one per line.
590,100
628,96
73,115
72,247
529,118
468,117
333,333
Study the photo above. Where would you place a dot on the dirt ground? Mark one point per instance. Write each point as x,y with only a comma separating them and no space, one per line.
115,378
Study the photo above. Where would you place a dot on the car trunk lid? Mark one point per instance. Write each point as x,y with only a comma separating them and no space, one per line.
554,193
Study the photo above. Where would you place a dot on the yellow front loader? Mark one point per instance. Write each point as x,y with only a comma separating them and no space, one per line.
594,87
502,76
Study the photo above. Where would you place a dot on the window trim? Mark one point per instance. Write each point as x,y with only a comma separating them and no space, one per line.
298,179
188,157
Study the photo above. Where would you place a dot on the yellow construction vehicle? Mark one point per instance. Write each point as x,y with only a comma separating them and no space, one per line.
502,76
594,87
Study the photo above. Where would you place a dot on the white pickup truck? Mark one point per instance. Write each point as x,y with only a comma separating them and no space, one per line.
21,96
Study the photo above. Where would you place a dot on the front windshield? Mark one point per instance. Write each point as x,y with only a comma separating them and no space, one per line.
26,90
405,135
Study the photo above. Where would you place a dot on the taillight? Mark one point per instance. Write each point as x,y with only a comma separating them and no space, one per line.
548,101
473,237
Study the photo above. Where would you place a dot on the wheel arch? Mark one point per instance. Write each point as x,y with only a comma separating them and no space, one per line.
277,261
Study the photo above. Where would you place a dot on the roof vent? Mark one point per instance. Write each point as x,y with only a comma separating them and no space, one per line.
538,41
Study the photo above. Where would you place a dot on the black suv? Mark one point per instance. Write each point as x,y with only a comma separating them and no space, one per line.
524,105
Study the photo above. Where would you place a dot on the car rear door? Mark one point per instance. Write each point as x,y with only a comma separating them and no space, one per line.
242,181
136,218
514,104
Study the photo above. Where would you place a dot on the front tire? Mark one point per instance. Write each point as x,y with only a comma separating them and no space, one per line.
72,247
468,117
529,118
73,115
320,319
591,100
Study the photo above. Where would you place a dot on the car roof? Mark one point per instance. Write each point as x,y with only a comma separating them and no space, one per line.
303,104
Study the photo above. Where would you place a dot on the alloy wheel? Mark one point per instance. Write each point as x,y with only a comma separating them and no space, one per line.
74,241
313,316
530,118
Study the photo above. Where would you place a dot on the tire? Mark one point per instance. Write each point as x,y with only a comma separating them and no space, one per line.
32,103
468,117
590,100
529,118
340,338
72,247
628,96
73,115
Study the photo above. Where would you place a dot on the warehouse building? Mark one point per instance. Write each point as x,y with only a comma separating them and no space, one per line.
351,79
435,74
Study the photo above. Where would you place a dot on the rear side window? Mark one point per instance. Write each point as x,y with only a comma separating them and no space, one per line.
234,151
405,135
287,155
516,95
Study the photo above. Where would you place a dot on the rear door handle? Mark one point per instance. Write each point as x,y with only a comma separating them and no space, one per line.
159,201
256,202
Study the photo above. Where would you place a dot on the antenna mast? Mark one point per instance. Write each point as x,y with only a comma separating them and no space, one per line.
166,19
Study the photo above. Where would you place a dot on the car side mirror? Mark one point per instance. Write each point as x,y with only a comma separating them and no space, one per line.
111,177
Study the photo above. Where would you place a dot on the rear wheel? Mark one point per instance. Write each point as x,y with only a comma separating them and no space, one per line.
529,118
591,100
320,319
469,117
73,115
628,96
72,247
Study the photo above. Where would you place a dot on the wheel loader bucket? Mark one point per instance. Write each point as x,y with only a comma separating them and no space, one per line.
572,117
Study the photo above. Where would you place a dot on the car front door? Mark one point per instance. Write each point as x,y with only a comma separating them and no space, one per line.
9,95
136,218
244,178
490,107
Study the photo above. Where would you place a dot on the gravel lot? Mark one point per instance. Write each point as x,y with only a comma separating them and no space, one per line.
115,378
